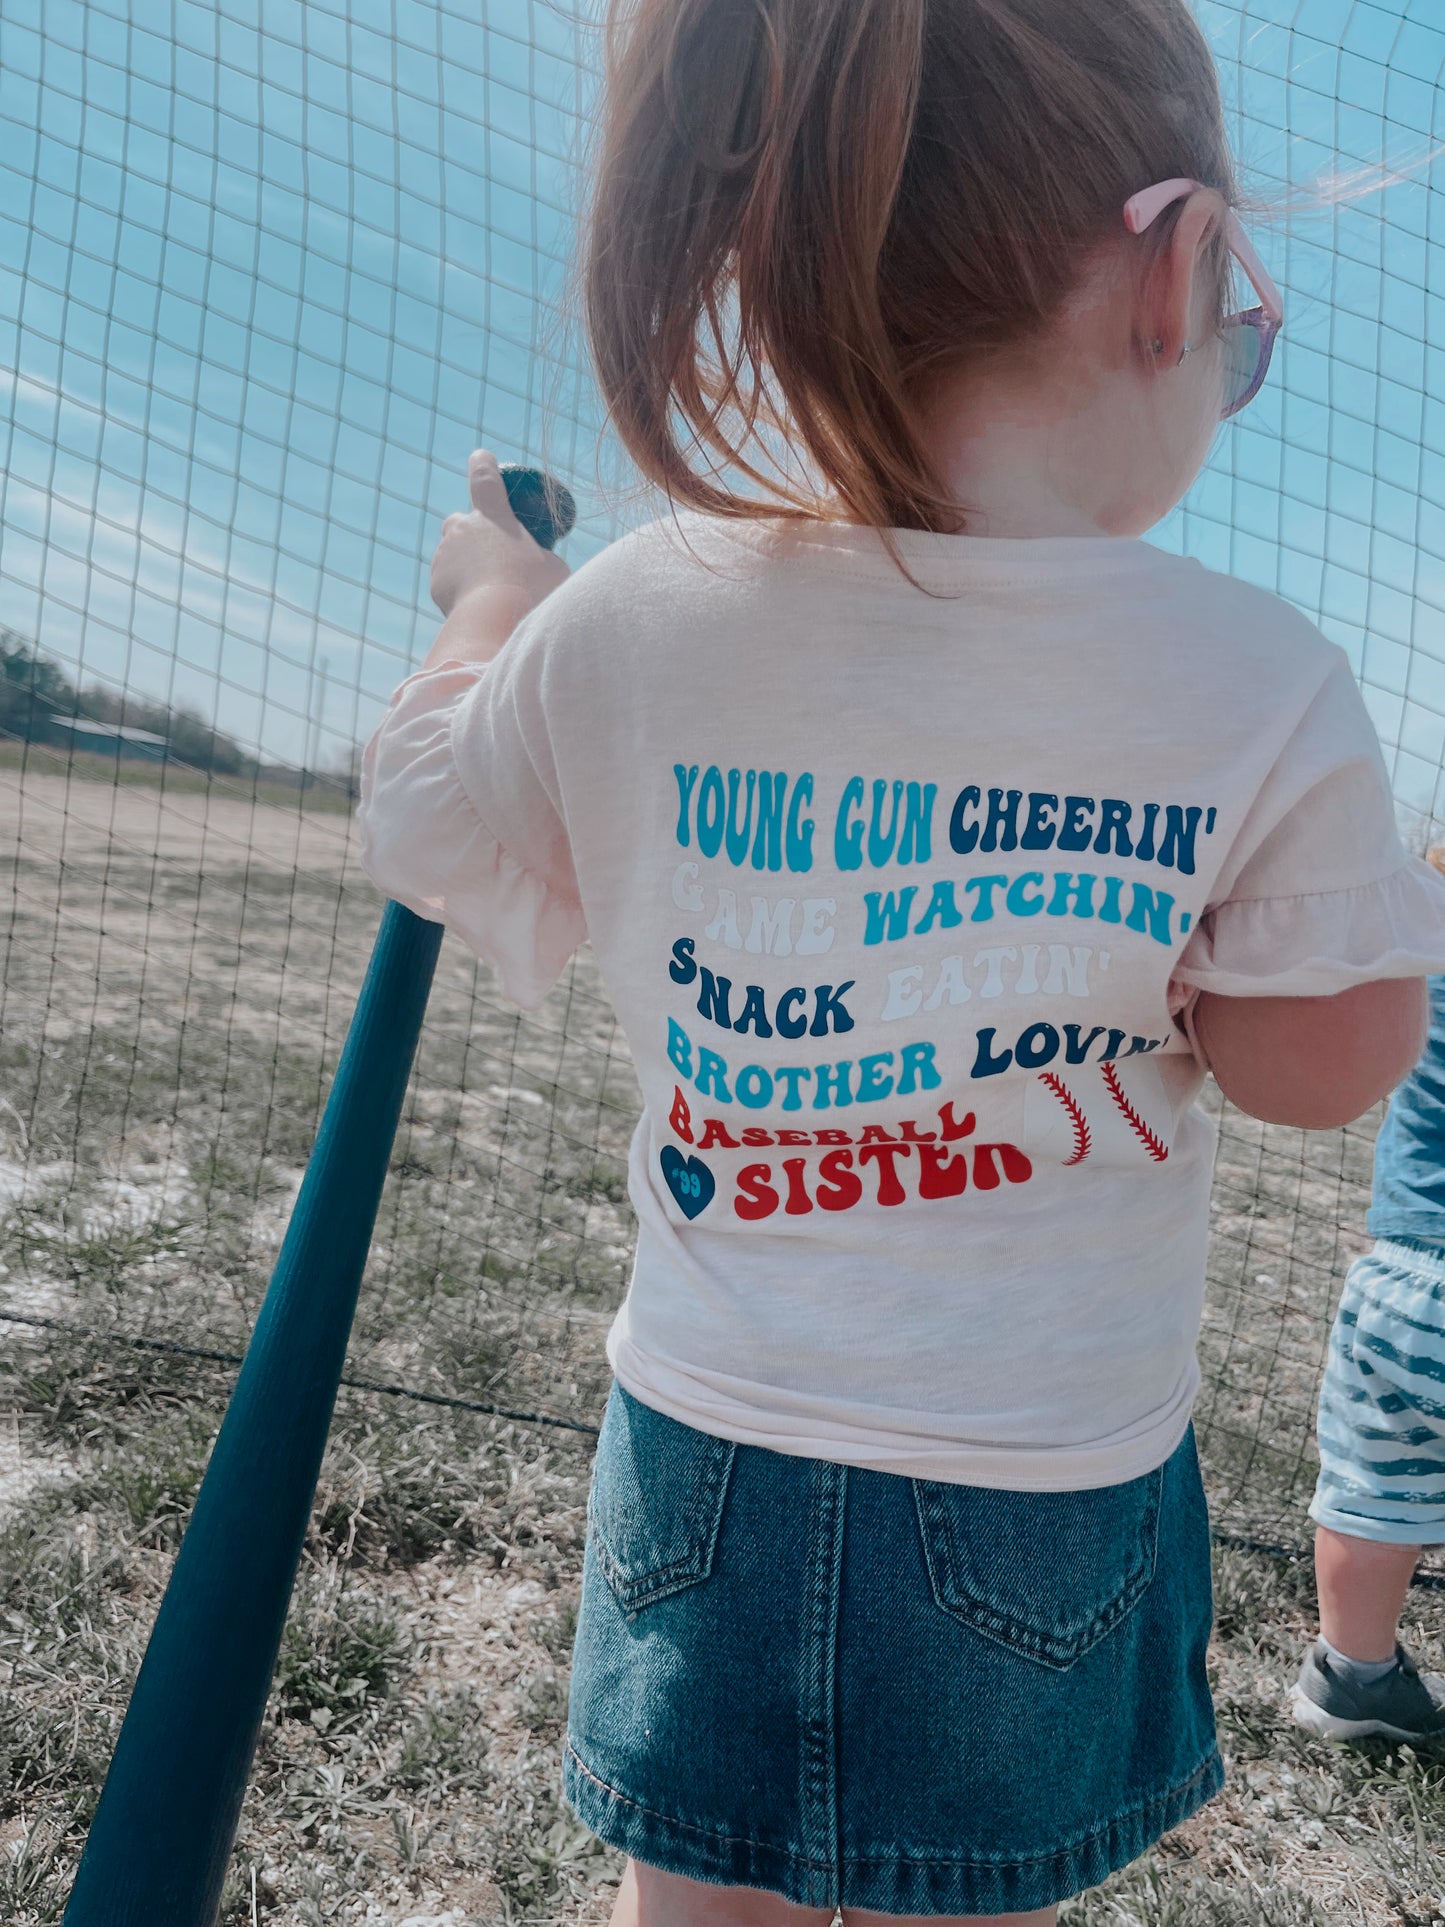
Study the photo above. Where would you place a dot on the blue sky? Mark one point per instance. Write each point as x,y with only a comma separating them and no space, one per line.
1331,489
263,286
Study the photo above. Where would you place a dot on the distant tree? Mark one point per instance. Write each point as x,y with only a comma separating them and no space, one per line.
195,742
32,688
191,738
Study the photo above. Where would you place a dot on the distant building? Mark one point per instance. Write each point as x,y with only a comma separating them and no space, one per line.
108,739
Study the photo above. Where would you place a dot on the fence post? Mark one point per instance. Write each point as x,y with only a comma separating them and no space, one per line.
163,1830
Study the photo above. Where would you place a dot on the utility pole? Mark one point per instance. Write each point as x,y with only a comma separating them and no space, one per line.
316,719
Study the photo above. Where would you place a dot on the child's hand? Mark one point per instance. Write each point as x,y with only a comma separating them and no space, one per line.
490,550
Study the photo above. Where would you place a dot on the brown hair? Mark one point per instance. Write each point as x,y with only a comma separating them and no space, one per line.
804,208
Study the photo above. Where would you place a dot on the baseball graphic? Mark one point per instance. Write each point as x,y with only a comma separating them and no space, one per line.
1099,1114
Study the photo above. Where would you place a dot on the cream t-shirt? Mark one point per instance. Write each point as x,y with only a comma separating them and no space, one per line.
898,892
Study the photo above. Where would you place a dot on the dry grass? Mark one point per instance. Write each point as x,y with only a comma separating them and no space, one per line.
177,974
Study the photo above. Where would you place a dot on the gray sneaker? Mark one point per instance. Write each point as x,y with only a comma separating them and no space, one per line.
1403,1704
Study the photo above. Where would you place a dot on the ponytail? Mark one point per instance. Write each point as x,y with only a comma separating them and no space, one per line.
802,207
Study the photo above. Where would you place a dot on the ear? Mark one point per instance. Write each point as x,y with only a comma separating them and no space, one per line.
1170,299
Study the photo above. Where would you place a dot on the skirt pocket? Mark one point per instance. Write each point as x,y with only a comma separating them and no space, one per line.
656,1501
1047,1574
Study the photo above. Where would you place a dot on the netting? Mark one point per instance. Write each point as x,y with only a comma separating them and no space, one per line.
262,287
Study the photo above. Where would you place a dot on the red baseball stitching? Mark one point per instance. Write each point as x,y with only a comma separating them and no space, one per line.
1155,1146
1082,1141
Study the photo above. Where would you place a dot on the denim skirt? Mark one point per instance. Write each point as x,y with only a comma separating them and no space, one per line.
860,1689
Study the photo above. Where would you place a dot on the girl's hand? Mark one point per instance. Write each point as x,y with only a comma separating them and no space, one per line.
489,550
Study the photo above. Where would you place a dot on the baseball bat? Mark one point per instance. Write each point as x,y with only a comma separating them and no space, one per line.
163,1830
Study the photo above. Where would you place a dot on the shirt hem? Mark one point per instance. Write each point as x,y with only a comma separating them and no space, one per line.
695,1398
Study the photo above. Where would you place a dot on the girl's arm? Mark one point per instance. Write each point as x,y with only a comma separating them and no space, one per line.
1313,1062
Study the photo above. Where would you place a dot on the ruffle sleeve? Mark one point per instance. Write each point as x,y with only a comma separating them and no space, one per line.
427,841
1318,944
1317,892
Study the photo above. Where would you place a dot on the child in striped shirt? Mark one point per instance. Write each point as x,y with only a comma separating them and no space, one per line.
1381,1492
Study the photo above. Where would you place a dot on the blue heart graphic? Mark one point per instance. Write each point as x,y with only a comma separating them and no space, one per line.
689,1181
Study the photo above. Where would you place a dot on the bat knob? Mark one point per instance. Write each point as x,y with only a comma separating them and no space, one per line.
544,506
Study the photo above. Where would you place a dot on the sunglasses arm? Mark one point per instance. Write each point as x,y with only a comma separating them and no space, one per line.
1243,250
1144,209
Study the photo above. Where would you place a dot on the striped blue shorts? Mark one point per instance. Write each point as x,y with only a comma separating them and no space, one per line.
1382,1406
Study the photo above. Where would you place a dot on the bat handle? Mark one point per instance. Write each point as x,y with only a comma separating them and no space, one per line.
544,506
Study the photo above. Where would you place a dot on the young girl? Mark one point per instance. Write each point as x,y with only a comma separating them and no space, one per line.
932,833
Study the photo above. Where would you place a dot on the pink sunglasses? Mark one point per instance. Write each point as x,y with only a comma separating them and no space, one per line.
1249,336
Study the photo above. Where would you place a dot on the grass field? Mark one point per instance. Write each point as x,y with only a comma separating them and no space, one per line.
178,967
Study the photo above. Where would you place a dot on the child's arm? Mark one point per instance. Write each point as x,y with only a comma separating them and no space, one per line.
460,815
1309,964
1313,1062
